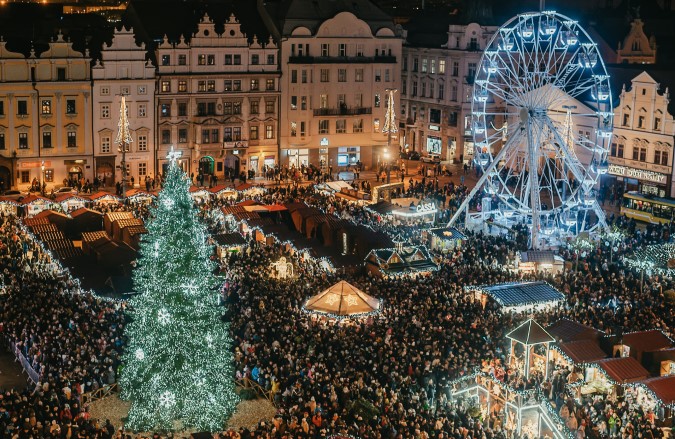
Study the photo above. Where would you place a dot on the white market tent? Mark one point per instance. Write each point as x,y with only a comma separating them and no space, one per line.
342,299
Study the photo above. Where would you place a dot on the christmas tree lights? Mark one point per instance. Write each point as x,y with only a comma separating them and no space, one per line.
178,369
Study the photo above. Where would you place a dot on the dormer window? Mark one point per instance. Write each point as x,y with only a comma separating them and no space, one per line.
166,60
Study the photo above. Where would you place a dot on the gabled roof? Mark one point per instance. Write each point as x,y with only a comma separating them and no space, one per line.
583,351
447,233
623,370
34,199
663,387
566,330
530,333
538,256
523,293
647,341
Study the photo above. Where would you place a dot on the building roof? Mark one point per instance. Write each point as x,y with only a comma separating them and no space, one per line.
566,330
229,239
84,211
342,299
647,341
447,233
410,259
623,370
538,256
523,293
290,14
663,387
530,333
622,75
583,351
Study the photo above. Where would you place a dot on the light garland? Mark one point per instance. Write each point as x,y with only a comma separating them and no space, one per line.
652,259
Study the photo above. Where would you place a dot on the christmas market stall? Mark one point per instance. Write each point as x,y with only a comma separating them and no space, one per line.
86,220
34,204
222,191
658,394
8,207
402,260
539,261
445,239
342,300
412,209
518,297
200,195
609,376
70,202
140,196
250,190
102,198
228,243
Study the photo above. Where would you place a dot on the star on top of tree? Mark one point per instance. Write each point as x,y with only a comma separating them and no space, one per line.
174,155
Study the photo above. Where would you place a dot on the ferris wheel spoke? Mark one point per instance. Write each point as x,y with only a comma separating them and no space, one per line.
574,166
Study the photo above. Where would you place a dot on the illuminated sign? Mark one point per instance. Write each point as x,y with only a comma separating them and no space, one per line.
324,141
434,128
639,174
427,207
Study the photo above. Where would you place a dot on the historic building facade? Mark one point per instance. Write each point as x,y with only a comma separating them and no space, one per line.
436,93
124,70
641,154
637,48
45,116
336,68
218,101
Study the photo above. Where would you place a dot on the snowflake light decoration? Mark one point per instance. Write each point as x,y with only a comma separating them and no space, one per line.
167,399
163,316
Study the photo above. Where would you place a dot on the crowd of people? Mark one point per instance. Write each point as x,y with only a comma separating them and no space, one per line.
387,375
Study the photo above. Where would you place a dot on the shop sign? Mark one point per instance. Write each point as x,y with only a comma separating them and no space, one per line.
425,207
639,174
434,128
324,141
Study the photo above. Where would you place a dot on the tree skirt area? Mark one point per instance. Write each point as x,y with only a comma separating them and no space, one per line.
247,414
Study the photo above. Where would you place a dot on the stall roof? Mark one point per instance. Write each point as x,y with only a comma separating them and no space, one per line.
229,239
65,197
382,207
623,370
221,188
647,341
523,293
94,236
102,194
84,211
276,207
567,330
530,333
583,351
447,233
34,198
243,187
663,387
538,256
140,193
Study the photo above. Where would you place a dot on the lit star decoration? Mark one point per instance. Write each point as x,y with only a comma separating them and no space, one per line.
351,300
332,299
175,336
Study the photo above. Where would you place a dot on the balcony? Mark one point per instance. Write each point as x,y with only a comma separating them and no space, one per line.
342,111
342,59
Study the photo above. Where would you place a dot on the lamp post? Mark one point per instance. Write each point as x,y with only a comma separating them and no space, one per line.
42,185
389,128
580,246
123,140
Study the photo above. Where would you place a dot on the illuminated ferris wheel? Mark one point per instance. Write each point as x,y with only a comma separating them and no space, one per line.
541,154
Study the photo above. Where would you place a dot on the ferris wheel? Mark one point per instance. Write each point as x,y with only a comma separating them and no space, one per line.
542,124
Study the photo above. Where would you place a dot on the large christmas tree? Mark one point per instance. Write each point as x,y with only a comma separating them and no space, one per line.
178,369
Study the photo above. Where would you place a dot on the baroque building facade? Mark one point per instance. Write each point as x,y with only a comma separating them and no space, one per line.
218,101
641,153
337,65
45,116
124,70
436,93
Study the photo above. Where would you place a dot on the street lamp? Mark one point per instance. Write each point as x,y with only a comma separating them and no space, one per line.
42,167
389,127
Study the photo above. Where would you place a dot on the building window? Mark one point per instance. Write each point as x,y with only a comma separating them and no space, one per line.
215,135
386,75
182,135
626,120
255,60
664,158
643,154
441,66
206,136
453,93
142,143
416,63
227,107
166,136
105,111
105,145
424,65
201,60
142,110
404,87
72,139
22,108
302,129
269,107
25,176
49,175
166,60
455,68
2,142
304,77
270,59
182,109
294,129
253,132
303,102
340,126
294,76
359,49
405,64
166,86
23,140
269,84
228,60
342,75
227,85
237,60
269,132
294,102
636,153
441,90
657,124
323,126
323,101
377,100
142,169
358,75
182,60
378,75
342,49
201,86
46,106
423,93
325,50
105,91
641,121
358,126
182,86
255,85
414,88
211,86
236,134
325,75
236,108
47,139
452,118
165,110
211,60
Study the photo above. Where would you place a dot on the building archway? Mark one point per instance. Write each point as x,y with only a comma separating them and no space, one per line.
207,165
75,173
